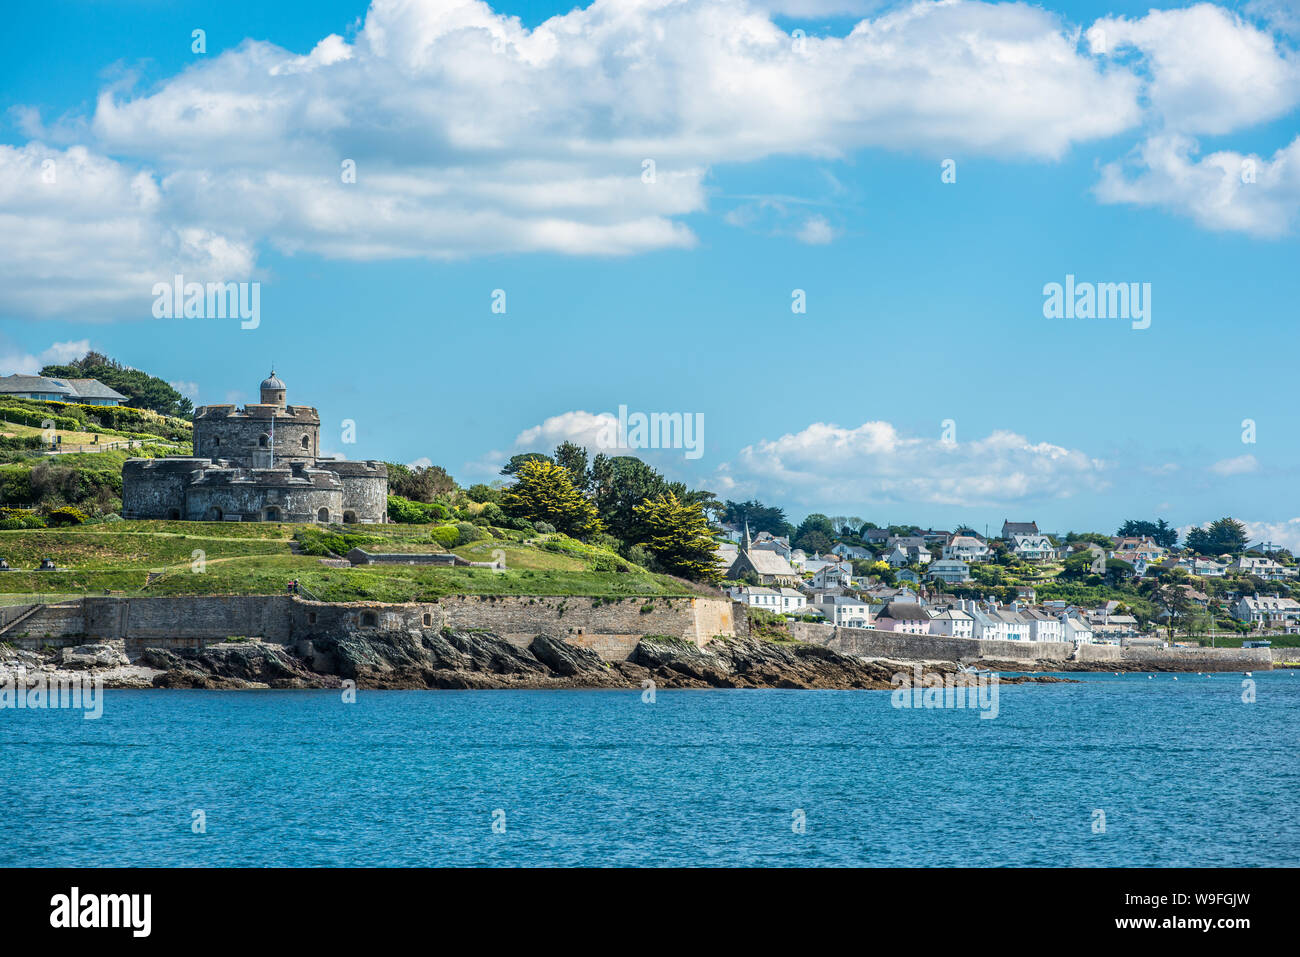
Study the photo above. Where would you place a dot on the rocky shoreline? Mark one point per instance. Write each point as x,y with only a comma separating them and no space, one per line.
471,660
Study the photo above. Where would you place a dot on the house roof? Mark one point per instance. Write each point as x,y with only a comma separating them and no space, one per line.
33,383
71,388
1019,528
93,389
768,562
905,611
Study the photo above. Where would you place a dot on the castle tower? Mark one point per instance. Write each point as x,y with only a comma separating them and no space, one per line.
273,391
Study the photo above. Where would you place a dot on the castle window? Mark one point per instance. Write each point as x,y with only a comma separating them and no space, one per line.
369,619
306,443
263,440
311,618
428,619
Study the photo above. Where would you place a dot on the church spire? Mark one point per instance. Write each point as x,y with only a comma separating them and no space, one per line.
748,543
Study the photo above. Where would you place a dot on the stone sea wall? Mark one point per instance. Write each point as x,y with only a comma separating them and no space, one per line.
874,643
609,627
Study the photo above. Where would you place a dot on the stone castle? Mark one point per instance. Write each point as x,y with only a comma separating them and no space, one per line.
256,464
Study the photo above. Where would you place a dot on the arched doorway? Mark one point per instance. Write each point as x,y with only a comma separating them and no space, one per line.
215,514
323,515
272,514
349,518
173,514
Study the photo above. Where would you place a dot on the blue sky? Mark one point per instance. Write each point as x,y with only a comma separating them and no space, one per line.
519,168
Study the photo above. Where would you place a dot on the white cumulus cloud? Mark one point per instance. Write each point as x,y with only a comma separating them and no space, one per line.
1240,465
826,464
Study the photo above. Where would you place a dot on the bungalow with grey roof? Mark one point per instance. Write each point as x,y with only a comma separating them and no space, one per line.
49,389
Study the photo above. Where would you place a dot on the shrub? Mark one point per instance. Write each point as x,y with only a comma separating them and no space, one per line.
408,512
19,522
483,493
492,514
448,536
467,533
66,515
317,541
639,555
543,528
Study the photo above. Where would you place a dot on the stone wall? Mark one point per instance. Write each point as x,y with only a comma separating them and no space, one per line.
155,488
1280,655
610,627
1026,650
1200,659
365,489
224,432
207,617
296,494
51,622
877,643
873,643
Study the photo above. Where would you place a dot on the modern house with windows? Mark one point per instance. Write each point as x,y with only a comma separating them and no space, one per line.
47,389
844,611
949,570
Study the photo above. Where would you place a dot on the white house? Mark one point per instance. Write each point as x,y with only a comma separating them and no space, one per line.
844,612
949,570
1265,568
1076,629
997,624
779,600
1266,611
954,623
851,551
1202,567
1043,627
838,575
966,548
1033,548
1130,548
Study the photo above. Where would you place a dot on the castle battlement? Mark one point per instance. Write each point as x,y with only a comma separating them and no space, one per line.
256,463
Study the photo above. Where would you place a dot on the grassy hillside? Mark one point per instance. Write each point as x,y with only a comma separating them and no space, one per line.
260,559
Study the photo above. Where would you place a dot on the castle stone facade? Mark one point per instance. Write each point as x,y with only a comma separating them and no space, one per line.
256,464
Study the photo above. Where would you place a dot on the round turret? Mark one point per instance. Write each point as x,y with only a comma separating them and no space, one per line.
273,391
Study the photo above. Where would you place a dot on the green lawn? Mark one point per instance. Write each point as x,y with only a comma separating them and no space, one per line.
256,559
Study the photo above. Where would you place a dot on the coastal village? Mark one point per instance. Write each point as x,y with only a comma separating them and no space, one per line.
262,464
939,582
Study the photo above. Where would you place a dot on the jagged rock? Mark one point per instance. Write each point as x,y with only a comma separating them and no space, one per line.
566,659
420,658
251,664
93,656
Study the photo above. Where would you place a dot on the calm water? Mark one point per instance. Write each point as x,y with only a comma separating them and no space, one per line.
1185,773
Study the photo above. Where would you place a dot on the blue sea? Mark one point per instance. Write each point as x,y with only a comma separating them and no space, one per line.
1183,772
